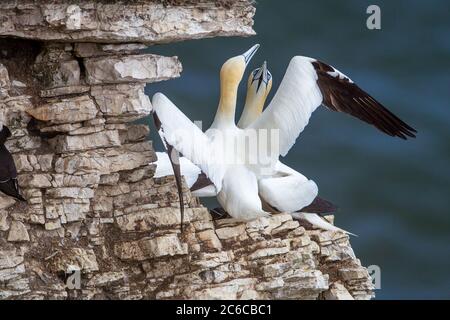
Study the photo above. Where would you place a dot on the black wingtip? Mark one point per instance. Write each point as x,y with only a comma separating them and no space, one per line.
156,121
341,94
406,134
175,163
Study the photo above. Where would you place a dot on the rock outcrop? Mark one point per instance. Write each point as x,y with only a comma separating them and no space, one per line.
96,224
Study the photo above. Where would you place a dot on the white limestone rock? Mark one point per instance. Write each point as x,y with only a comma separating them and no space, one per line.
75,193
132,68
5,201
18,232
4,221
66,110
103,139
84,259
61,91
146,218
167,245
146,21
337,291
106,161
122,101
90,49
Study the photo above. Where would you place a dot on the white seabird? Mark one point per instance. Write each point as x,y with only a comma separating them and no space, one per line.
240,62
289,191
306,85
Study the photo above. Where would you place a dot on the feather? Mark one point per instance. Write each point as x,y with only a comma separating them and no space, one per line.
318,222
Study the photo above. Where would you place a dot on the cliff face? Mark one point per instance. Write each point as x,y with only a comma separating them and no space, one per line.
96,224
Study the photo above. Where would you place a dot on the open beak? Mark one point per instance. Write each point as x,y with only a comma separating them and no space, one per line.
248,55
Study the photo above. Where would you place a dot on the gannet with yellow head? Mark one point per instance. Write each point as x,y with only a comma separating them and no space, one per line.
182,135
288,191
231,75
307,84
258,87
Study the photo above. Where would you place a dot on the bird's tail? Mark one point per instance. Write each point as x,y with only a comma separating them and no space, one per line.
318,221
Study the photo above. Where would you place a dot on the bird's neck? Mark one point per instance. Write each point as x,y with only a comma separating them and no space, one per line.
252,110
225,115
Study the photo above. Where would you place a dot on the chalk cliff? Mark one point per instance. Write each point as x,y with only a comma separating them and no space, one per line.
72,78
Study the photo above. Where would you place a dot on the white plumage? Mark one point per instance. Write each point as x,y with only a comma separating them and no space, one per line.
240,175
188,139
237,181
297,97
239,185
288,192
189,170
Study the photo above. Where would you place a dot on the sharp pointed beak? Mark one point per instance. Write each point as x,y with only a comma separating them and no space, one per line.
248,55
262,76
265,72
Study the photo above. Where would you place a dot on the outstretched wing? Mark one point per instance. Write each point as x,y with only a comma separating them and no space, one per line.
341,94
306,85
185,137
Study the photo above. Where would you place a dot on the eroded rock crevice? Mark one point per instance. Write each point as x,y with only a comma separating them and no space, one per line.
70,91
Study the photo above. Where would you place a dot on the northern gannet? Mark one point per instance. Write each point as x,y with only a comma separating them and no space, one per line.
8,171
196,181
258,87
286,190
306,85
289,191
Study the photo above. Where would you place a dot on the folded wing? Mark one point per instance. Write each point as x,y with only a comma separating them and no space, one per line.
287,193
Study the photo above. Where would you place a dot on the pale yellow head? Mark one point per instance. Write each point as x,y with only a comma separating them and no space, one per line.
231,74
258,88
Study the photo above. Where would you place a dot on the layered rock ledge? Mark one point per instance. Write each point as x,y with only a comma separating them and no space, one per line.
109,21
96,224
